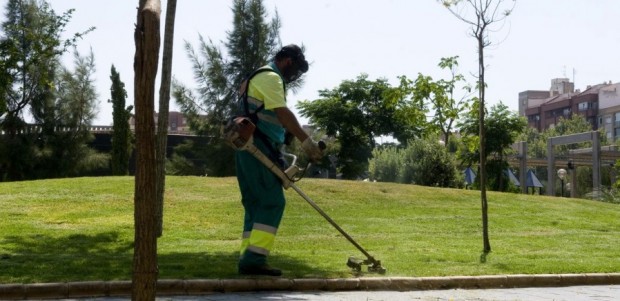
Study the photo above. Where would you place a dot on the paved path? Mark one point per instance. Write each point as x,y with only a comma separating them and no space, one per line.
572,293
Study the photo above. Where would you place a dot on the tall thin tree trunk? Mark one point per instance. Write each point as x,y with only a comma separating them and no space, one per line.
483,154
147,39
483,15
164,108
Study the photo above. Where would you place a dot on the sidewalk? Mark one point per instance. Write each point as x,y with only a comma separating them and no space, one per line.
573,293
499,287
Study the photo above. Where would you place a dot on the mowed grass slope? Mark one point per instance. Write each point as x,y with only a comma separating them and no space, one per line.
82,229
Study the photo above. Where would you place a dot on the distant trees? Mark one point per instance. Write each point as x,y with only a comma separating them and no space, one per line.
502,128
422,162
33,82
358,111
537,147
65,118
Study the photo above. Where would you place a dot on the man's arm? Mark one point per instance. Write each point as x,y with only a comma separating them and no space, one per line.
290,123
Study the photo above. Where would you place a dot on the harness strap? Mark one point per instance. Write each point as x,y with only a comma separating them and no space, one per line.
275,155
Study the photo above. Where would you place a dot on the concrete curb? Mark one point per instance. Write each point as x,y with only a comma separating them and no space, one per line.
208,286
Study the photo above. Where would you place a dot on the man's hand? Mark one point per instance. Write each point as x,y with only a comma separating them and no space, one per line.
312,149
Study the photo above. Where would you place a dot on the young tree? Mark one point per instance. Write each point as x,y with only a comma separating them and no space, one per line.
121,133
482,16
164,104
147,39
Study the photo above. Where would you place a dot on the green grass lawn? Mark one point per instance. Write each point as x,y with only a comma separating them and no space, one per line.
82,229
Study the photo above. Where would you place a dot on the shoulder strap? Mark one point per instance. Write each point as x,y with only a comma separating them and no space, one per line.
247,87
253,116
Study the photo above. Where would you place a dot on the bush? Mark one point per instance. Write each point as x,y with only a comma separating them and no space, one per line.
423,162
386,164
428,163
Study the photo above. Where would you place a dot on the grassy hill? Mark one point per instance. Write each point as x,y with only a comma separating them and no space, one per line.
82,229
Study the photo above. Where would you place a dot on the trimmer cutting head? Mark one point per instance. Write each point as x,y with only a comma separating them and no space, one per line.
374,266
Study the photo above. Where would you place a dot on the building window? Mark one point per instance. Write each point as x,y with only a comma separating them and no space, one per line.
566,112
583,106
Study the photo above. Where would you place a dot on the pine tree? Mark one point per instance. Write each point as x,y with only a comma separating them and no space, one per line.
121,133
251,43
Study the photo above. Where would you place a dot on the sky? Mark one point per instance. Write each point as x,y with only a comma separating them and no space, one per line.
541,40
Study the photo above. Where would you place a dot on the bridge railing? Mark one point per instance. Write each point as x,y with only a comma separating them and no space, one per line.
35,129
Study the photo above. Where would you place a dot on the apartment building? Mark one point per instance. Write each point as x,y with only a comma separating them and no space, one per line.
609,111
543,109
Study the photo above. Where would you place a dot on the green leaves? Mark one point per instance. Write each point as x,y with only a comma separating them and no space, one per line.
32,79
251,44
442,97
502,128
358,111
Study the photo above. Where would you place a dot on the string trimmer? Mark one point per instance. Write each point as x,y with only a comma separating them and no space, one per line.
239,133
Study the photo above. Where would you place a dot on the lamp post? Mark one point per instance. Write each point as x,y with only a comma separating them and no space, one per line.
561,175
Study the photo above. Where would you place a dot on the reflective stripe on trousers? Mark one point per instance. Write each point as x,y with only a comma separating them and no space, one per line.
262,197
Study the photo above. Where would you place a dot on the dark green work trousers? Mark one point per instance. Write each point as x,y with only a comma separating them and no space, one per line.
262,197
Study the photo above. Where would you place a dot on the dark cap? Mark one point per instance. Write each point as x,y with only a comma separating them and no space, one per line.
296,53
291,50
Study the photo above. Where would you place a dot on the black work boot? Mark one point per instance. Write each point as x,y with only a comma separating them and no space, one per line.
259,270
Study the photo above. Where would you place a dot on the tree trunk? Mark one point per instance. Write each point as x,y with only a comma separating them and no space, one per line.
483,155
162,120
147,39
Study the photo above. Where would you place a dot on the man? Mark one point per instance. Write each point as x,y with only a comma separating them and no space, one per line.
262,195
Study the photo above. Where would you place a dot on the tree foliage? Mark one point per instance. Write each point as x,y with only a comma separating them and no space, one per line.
358,111
441,96
121,133
575,124
251,43
61,102
33,83
31,48
502,128
421,162
537,147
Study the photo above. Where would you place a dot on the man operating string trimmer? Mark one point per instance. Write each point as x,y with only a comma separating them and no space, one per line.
258,135
261,190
